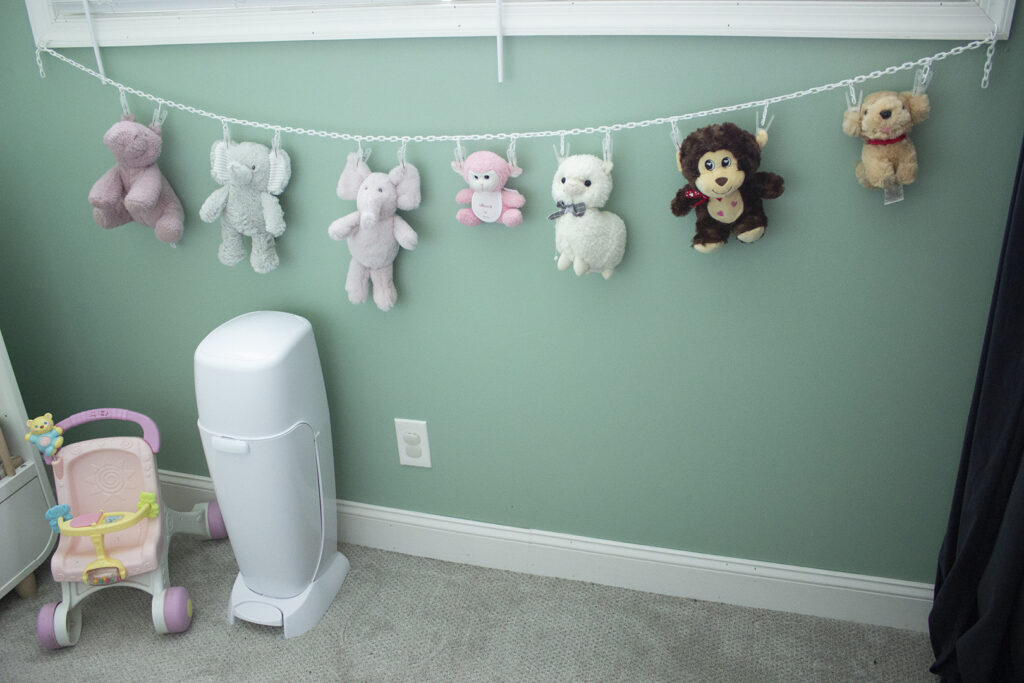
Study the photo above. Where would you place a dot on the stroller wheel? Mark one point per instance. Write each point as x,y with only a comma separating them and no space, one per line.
44,627
177,609
215,521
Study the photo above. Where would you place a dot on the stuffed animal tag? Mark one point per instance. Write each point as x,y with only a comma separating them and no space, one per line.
893,194
487,206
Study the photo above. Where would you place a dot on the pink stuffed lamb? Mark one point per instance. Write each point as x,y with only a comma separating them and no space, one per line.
135,189
490,201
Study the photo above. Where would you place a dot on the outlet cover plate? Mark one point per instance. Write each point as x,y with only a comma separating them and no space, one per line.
413,443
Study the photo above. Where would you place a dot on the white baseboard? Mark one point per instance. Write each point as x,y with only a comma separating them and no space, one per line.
817,592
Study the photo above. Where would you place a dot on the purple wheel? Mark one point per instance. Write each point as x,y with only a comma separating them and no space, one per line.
44,627
177,609
215,521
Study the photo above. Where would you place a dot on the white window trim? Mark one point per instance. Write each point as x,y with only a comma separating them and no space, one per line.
884,19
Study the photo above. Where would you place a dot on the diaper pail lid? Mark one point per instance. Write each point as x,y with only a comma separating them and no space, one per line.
259,374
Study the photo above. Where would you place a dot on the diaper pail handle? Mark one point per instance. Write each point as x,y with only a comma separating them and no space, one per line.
150,433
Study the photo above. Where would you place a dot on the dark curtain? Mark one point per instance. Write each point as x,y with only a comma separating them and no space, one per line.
977,620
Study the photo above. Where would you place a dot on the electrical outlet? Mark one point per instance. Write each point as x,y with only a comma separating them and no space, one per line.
413,444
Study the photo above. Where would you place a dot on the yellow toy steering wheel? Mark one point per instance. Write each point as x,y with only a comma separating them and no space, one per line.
96,526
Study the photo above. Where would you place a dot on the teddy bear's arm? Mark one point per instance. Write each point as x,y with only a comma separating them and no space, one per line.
273,215
769,185
145,190
682,204
404,234
851,122
344,227
108,190
214,205
512,198
465,196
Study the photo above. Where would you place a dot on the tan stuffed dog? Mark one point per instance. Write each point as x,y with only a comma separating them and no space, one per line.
883,120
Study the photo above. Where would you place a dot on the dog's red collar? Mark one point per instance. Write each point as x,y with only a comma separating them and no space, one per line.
887,142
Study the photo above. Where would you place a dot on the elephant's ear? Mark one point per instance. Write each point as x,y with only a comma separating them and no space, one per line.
406,180
219,162
356,171
280,171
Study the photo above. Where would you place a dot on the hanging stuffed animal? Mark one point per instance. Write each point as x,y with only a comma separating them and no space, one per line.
251,175
374,232
589,239
888,157
720,162
490,201
135,189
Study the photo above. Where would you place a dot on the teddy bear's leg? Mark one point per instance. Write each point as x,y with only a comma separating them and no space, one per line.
111,217
607,273
467,217
750,228
579,266
171,225
709,236
384,293
264,253
564,260
906,172
511,217
231,249
879,173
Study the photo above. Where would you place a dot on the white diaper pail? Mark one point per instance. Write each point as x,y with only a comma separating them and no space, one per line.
266,431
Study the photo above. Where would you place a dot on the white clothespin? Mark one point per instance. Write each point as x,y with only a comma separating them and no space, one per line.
511,154
364,154
562,151
460,155
853,100
401,152
276,144
606,146
922,77
124,104
677,137
159,115
226,131
764,123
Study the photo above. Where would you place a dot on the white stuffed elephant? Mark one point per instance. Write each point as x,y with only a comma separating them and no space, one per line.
373,231
251,175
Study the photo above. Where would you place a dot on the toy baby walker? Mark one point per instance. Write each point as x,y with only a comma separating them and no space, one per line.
113,528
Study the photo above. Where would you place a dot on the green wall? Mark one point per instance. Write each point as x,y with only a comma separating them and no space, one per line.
800,400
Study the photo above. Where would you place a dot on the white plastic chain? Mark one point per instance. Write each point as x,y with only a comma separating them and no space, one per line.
606,130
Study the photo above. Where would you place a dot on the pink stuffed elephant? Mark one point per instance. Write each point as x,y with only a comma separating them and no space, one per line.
373,231
135,189
490,201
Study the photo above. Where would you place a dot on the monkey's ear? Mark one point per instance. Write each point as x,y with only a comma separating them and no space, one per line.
679,159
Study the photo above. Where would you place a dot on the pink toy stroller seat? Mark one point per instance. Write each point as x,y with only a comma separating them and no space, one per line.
100,483
107,475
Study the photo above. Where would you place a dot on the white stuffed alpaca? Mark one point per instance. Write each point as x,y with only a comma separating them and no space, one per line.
593,241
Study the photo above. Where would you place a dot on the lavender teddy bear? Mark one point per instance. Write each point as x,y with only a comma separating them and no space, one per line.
373,231
135,189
